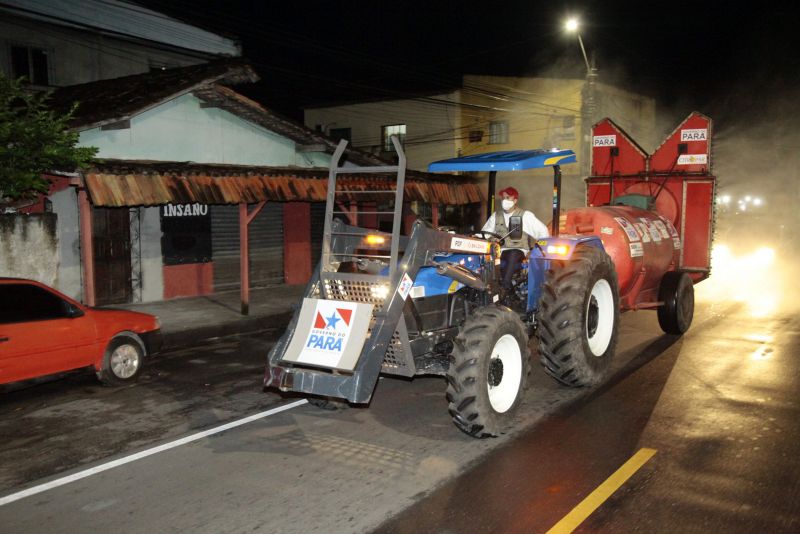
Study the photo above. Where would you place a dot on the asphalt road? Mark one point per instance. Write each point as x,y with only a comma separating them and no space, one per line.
718,405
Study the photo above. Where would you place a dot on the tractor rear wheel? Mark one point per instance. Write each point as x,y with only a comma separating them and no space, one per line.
488,371
677,292
579,317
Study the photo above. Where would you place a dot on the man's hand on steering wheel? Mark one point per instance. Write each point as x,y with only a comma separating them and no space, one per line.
491,236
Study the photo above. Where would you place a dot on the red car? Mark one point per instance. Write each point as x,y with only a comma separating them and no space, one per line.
43,332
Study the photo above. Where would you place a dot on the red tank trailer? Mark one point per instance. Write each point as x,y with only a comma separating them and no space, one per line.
654,213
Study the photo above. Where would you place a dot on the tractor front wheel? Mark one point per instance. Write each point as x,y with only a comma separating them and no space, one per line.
488,371
579,317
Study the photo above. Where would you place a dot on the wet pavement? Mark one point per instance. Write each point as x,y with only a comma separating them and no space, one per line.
719,406
73,420
190,321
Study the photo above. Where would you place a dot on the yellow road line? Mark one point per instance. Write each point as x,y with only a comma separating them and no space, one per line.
591,503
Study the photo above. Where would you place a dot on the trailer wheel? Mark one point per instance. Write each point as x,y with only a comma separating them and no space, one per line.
677,292
579,317
488,371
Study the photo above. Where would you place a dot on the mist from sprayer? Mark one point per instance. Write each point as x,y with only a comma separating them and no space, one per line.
756,158
755,154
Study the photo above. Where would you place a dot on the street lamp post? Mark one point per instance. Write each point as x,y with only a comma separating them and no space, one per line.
588,104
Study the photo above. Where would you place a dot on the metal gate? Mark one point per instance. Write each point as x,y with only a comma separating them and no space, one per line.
266,246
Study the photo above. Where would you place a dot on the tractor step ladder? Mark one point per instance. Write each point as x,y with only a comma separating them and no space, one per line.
340,245
338,198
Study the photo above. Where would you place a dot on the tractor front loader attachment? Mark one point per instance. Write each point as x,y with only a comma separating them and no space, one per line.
351,325
309,358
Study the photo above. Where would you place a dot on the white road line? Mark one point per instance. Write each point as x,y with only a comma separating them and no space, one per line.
144,454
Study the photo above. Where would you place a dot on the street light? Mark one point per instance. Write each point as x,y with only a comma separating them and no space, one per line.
572,26
588,102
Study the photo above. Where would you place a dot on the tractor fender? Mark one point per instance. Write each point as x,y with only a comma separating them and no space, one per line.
550,249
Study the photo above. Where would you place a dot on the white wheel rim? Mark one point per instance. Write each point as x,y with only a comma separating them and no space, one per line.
506,356
125,361
599,335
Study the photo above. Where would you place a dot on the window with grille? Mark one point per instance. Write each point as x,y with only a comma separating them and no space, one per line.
498,132
395,129
30,63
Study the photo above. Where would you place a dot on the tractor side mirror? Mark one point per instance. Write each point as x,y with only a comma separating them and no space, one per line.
515,225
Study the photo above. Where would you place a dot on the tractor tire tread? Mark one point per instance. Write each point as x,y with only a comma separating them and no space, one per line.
466,393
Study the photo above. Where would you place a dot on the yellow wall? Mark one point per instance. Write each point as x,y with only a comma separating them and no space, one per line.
544,113
541,113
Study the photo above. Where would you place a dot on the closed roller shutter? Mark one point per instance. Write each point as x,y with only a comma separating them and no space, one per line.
317,229
266,246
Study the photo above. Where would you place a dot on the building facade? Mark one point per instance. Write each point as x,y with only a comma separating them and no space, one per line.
493,113
55,43
192,179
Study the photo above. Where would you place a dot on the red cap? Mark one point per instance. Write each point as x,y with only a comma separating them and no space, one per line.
510,191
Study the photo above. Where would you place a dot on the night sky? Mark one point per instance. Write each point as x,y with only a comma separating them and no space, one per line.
699,55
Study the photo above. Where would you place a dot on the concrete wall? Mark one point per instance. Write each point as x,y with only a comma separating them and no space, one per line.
65,206
180,130
432,123
76,56
29,247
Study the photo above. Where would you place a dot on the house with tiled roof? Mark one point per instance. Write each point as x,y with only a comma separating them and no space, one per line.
185,167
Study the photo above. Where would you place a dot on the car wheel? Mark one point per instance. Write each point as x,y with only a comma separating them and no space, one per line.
122,362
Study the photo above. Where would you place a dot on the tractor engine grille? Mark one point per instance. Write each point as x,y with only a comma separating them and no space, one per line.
395,358
353,291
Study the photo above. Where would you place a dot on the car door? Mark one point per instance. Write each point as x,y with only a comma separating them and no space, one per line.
40,333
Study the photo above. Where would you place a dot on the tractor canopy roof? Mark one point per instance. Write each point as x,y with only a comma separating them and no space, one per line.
510,160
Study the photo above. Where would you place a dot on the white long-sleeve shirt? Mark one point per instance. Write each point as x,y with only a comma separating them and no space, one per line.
530,225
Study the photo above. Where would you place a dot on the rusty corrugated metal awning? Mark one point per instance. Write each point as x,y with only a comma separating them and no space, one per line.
125,183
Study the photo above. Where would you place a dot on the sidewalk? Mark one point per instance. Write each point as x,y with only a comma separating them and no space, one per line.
189,321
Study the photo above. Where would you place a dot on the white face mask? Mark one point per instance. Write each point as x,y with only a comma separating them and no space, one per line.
507,204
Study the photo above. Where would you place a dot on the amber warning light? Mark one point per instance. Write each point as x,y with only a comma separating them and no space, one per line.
375,240
561,250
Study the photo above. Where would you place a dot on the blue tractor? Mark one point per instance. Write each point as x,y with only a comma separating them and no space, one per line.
430,304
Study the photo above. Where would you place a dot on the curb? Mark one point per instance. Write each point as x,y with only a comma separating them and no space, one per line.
272,325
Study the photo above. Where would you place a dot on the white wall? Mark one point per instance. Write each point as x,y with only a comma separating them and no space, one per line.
180,130
65,205
431,124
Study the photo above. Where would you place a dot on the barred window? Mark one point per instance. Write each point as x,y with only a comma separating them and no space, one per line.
498,132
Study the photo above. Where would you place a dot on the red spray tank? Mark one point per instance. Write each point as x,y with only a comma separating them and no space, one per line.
654,213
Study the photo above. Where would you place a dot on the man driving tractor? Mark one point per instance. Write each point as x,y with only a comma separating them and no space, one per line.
514,250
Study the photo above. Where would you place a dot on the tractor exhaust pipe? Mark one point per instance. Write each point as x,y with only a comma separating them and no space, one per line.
461,274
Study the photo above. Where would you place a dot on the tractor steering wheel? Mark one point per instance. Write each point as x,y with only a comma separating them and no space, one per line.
491,235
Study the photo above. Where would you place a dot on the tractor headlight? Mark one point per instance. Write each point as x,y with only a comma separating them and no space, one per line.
379,291
560,250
